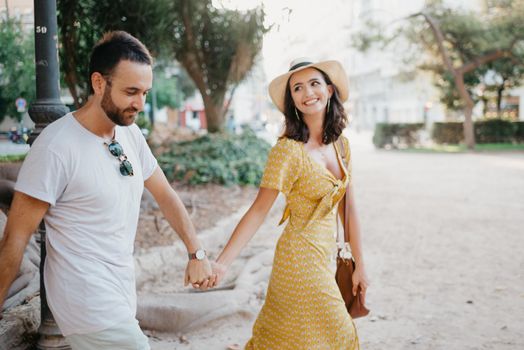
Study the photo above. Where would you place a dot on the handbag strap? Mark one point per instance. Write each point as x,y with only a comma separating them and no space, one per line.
342,148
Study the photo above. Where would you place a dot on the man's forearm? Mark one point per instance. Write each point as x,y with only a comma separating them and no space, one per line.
24,216
176,214
11,254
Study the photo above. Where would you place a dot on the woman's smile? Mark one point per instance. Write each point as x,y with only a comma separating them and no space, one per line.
311,101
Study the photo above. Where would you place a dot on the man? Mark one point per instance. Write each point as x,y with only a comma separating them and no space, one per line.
85,175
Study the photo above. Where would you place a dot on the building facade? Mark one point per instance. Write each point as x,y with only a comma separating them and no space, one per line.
384,88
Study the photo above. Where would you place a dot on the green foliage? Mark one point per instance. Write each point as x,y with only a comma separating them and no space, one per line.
449,95
494,131
11,158
222,42
142,121
456,148
83,22
165,89
170,89
497,147
396,134
217,47
467,36
79,30
506,75
374,34
448,133
519,132
486,132
17,70
218,158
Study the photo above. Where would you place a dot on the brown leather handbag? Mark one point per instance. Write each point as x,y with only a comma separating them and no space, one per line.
346,265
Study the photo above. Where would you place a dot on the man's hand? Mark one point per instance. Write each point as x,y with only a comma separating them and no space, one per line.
198,273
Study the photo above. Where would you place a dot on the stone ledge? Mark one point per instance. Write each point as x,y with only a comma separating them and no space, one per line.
19,326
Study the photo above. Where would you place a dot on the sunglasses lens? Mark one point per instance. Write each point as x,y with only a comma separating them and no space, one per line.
126,169
115,149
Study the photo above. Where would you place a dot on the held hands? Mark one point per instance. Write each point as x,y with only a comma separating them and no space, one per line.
216,275
198,273
360,281
219,271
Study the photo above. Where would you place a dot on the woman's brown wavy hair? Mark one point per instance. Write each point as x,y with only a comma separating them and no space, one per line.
334,122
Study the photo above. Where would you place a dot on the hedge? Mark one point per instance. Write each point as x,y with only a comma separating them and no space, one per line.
519,132
217,158
486,131
450,132
395,135
494,131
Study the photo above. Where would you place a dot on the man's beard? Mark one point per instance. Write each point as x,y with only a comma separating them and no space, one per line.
114,113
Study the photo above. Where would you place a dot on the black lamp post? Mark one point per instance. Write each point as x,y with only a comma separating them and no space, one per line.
46,109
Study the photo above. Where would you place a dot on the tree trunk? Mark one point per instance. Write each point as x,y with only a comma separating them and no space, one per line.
214,112
214,115
69,42
500,90
484,105
469,136
71,82
458,74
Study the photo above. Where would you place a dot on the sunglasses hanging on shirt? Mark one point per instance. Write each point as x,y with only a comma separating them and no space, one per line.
126,169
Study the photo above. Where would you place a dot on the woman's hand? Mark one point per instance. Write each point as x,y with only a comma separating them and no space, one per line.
218,271
198,274
360,281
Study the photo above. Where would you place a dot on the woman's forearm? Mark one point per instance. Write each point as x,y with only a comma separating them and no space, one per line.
248,226
244,231
355,237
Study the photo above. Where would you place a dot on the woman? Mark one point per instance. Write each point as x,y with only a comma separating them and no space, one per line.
303,307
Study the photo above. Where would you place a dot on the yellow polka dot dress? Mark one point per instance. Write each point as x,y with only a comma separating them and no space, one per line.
303,309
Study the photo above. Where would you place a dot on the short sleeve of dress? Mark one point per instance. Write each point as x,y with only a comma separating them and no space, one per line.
283,166
347,156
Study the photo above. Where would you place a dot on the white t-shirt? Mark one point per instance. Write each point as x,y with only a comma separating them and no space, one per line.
91,223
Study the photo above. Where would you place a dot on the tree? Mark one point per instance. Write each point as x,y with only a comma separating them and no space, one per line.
460,45
217,47
170,89
17,70
502,75
82,23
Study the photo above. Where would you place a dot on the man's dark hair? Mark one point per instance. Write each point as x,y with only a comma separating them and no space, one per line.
115,47
334,122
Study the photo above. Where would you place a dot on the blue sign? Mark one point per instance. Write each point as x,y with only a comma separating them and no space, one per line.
20,104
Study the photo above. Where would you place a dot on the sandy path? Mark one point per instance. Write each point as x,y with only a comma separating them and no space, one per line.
444,244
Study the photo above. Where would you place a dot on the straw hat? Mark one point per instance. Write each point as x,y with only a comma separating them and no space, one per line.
334,70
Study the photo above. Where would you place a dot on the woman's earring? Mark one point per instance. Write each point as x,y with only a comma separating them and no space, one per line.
296,113
329,100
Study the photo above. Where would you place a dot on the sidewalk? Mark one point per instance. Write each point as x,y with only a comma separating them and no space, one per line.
9,148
